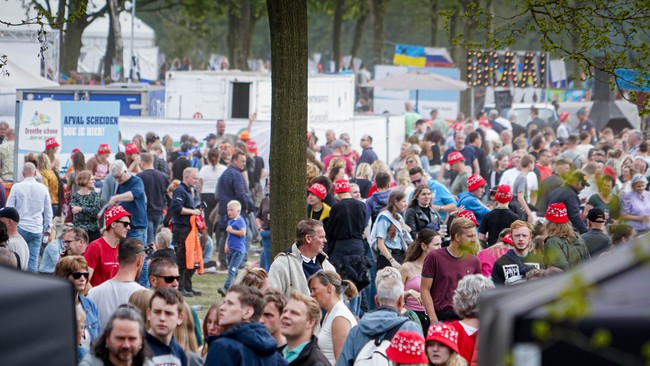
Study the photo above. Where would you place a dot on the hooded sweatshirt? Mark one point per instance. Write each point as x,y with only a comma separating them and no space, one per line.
246,344
376,203
473,204
373,324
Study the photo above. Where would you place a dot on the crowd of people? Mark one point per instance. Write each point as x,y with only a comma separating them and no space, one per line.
388,263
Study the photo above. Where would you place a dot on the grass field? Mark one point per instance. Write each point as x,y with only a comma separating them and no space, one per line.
209,283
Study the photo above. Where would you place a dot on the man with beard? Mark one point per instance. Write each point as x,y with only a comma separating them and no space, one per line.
514,265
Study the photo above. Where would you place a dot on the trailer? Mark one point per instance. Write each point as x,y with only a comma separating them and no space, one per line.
140,100
237,94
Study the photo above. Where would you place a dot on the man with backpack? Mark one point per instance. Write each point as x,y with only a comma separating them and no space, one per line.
367,342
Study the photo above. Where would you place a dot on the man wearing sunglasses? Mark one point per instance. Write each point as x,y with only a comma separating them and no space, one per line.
101,254
111,294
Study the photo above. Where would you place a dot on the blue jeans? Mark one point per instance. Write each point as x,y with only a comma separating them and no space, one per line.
370,291
34,241
208,250
153,221
234,260
265,258
141,234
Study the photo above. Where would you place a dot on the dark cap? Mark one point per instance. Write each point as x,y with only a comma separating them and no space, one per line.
556,143
10,213
596,215
210,137
337,144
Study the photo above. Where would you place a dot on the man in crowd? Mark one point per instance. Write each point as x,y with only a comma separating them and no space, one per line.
116,291
443,268
299,318
231,186
368,155
130,195
410,117
31,200
164,314
155,190
634,140
51,255
475,140
75,241
338,146
468,155
513,266
386,317
471,199
438,123
571,152
184,210
244,340
506,142
210,143
4,127
461,173
498,219
274,302
536,120
560,172
163,273
587,125
379,199
543,168
159,163
291,268
520,188
122,342
102,253
568,194
222,135
596,239
10,217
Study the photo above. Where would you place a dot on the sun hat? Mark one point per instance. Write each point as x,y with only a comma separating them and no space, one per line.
557,213
504,194
455,157
474,182
318,190
115,213
50,143
342,186
445,334
407,347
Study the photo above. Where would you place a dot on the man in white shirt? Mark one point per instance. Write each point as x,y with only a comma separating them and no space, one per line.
111,294
32,201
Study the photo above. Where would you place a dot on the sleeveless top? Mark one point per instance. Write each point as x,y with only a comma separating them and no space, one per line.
325,342
413,284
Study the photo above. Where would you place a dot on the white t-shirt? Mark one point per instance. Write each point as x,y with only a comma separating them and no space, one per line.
210,176
110,295
325,342
19,246
510,175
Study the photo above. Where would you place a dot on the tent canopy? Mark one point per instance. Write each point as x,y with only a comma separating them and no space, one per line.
20,78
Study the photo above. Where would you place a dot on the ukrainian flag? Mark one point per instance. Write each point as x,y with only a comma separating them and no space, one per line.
408,55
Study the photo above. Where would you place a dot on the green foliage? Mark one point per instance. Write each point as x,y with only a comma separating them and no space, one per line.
573,301
601,338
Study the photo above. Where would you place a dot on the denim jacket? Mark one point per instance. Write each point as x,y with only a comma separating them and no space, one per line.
93,324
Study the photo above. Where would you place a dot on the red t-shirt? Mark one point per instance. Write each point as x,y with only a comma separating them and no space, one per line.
466,342
544,172
446,270
102,258
348,163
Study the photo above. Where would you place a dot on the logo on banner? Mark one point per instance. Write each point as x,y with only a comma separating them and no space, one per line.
40,119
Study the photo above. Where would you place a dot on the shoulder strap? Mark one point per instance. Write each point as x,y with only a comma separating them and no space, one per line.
389,333
515,258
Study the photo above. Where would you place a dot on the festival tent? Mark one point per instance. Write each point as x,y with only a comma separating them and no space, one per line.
608,299
17,77
38,319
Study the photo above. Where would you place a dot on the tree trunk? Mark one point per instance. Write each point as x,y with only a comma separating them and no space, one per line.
378,9
118,56
336,34
59,20
110,50
243,47
233,28
72,40
288,28
358,36
435,20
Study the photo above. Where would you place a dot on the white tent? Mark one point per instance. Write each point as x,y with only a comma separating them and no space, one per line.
17,78
94,41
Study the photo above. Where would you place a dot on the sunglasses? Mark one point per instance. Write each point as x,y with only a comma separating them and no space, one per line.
170,279
416,181
77,275
125,223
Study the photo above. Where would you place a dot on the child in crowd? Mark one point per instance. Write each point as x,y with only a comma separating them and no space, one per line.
235,244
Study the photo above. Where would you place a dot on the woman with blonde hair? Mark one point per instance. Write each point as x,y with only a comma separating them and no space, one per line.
253,277
563,248
186,337
50,180
141,299
336,169
326,287
363,177
311,173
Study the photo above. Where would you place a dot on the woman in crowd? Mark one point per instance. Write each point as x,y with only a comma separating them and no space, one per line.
211,326
500,164
604,199
51,148
312,171
466,305
407,349
420,213
635,205
621,234
627,172
210,174
78,164
411,271
132,157
442,346
488,256
263,221
75,269
563,248
434,138
99,165
186,337
336,169
141,299
391,232
326,287
50,180
85,205
363,177
253,277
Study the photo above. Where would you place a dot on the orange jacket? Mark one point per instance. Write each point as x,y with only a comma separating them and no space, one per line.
193,250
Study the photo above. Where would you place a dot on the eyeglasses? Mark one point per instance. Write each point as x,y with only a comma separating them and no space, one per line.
170,279
68,242
125,223
410,162
77,275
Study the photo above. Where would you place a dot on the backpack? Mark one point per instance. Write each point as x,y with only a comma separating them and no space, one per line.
374,352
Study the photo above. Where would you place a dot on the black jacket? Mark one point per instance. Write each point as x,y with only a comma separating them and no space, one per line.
417,220
567,195
311,355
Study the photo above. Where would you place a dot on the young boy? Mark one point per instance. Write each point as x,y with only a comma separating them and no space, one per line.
235,244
